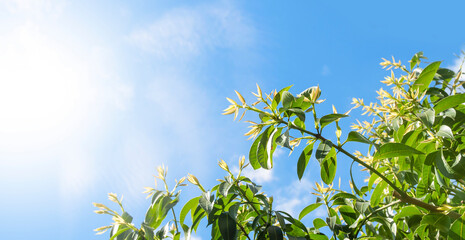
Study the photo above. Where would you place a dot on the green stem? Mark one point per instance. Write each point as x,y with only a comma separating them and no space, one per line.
372,213
175,221
340,149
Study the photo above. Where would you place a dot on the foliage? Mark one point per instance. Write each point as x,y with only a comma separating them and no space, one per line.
415,160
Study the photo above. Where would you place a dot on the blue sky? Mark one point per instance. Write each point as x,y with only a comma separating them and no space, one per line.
95,95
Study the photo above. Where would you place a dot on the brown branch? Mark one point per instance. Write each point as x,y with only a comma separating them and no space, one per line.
427,206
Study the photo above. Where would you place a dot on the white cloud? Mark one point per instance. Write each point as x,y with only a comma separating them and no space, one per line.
457,64
189,32
294,197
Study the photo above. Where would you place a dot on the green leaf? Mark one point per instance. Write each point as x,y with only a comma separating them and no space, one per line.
377,194
308,209
327,119
445,131
445,73
253,152
357,191
158,210
426,76
357,137
288,99
303,159
189,206
443,165
207,202
328,167
348,214
275,233
227,226
408,211
449,102
439,221
427,117
457,230
322,150
262,149
319,223
283,139
119,232
277,98
459,166
149,232
224,188
298,112
390,150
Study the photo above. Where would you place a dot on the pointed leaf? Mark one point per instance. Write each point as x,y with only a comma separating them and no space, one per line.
262,153
308,209
227,226
328,167
390,150
253,153
303,159
348,214
357,137
449,102
426,76
189,206
327,119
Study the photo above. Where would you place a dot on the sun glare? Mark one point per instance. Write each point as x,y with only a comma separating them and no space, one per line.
39,89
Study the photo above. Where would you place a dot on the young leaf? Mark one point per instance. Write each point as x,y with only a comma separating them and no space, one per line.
449,102
445,131
308,209
327,119
227,226
426,76
390,150
303,159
